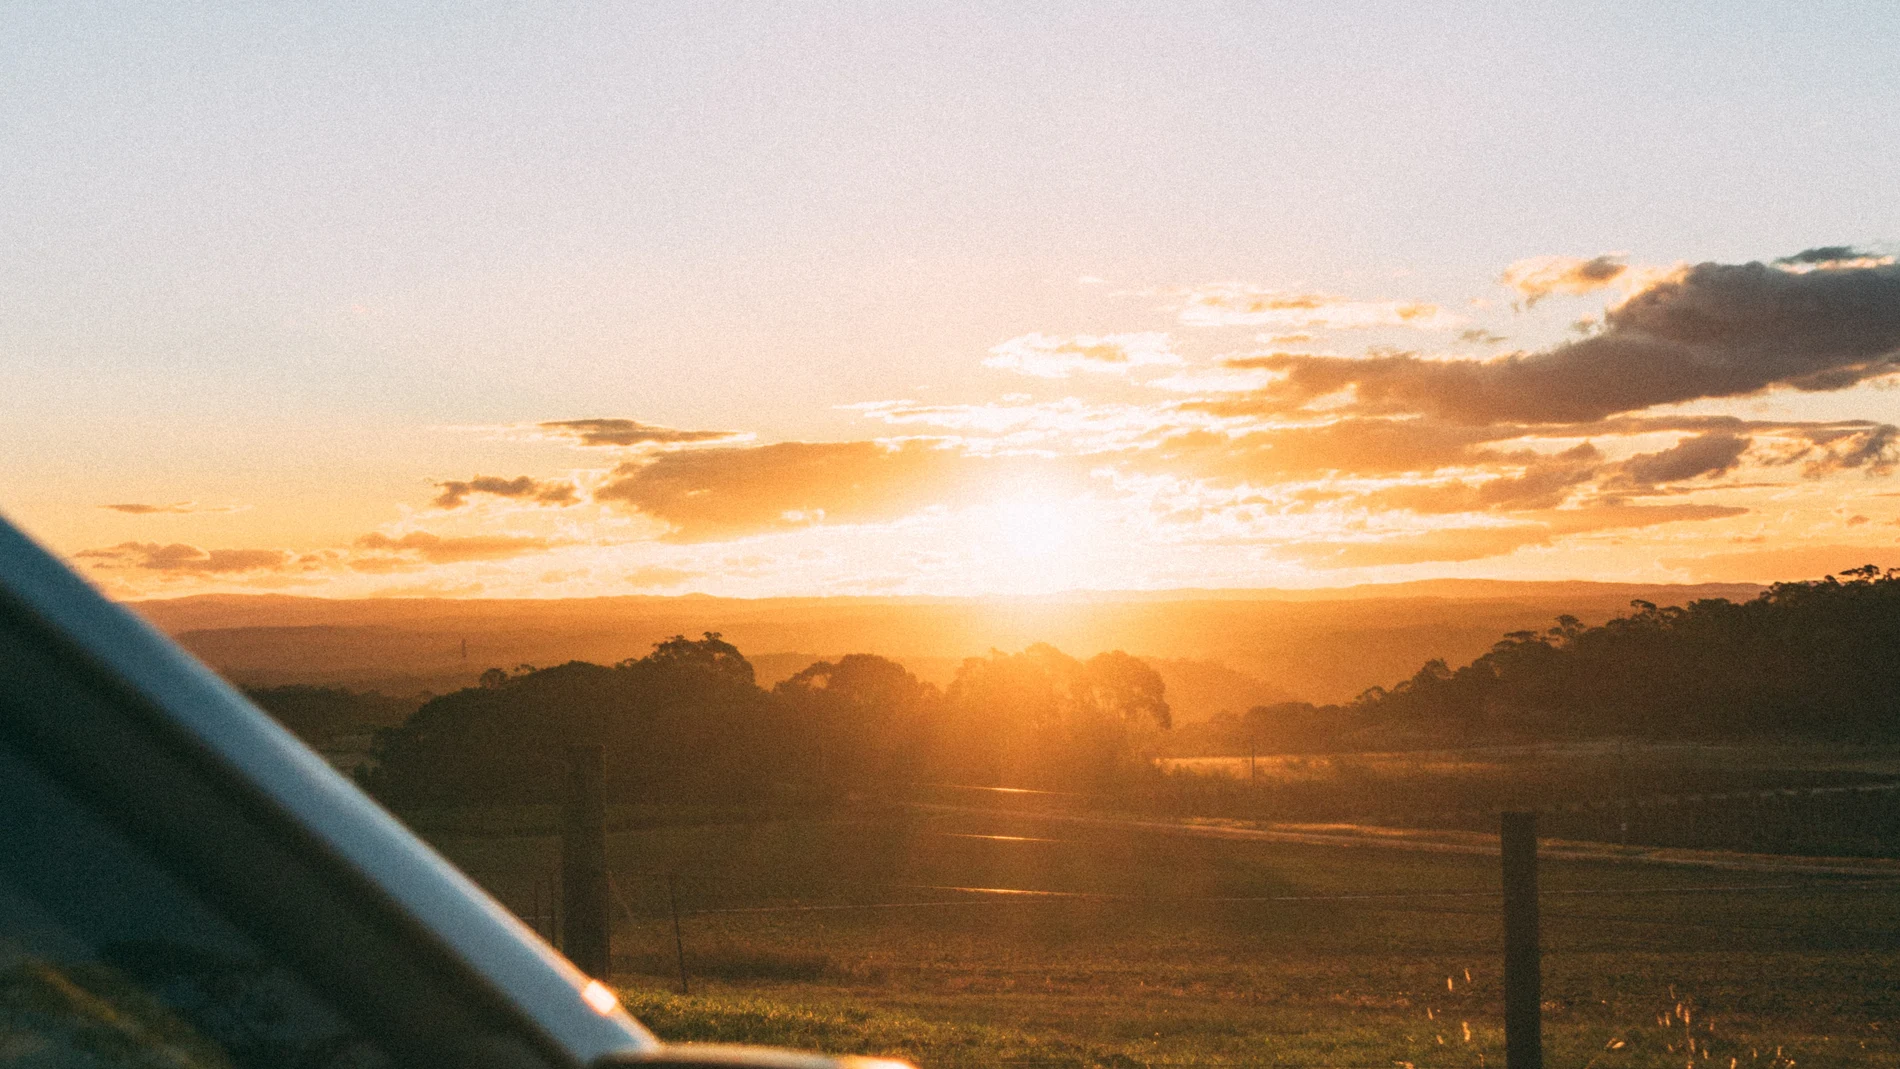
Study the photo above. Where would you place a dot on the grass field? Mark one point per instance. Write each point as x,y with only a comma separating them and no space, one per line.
1160,970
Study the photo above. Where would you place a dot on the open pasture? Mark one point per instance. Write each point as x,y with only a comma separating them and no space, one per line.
880,931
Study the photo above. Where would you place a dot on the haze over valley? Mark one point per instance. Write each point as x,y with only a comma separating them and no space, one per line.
1218,650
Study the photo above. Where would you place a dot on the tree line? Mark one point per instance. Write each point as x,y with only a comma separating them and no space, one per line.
1803,660
688,722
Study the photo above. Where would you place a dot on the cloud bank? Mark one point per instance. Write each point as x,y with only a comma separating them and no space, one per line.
1718,331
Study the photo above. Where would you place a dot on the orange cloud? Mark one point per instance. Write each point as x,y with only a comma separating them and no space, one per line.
732,492
180,558
436,549
1542,276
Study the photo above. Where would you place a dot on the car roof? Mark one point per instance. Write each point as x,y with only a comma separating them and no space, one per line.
498,950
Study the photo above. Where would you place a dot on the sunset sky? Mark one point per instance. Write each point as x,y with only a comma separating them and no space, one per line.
892,298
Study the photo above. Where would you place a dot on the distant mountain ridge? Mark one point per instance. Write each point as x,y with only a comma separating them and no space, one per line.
1320,645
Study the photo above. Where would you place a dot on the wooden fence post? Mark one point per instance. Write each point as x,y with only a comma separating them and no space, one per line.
679,944
1523,963
585,921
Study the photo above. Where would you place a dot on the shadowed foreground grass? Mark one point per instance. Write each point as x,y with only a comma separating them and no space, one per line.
1208,952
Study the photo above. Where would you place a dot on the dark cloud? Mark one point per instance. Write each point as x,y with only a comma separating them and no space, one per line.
708,494
436,549
1691,458
1480,336
625,432
178,557
1718,330
1826,254
455,492
1830,448
1874,450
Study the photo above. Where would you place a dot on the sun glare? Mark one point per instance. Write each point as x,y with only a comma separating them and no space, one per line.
1035,530
1032,545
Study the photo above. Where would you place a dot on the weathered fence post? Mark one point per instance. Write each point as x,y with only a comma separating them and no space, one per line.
679,943
1523,962
584,917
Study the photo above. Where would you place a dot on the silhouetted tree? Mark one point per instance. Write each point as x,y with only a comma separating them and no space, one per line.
1041,718
1814,659
688,723
864,719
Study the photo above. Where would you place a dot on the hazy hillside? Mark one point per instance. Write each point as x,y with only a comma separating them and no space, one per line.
1315,645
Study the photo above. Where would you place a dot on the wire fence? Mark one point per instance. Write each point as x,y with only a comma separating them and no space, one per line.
1860,819
959,935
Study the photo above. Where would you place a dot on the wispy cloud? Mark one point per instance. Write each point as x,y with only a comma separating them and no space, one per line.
1052,357
1236,305
182,558
1069,425
178,508
627,432
658,576
437,549
1480,541
456,492
1541,276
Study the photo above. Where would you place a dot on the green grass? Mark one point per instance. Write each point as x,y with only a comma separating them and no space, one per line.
1164,977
